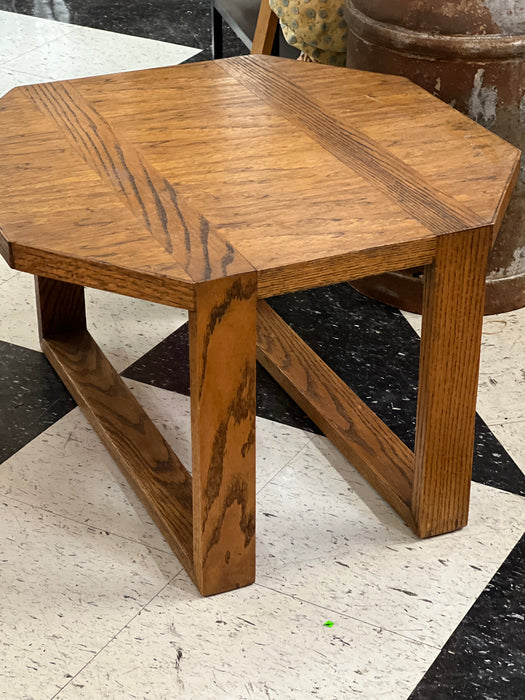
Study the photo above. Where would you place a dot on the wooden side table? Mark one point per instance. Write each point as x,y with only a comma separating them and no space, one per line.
212,186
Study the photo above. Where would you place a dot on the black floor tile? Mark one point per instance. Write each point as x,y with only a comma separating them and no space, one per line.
484,659
166,367
32,397
369,345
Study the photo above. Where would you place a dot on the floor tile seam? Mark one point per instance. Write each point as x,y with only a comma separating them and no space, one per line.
339,557
116,634
33,77
27,346
14,271
295,456
374,625
149,547
39,47
510,494
502,424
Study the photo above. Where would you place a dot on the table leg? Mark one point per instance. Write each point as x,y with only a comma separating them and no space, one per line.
60,307
449,365
222,371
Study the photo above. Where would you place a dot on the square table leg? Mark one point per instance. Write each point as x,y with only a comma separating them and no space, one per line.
60,307
209,518
448,377
222,387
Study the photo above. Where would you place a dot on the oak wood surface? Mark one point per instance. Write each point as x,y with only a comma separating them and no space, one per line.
383,459
168,175
436,141
209,185
222,378
148,195
379,166
143,455
60,307
448,377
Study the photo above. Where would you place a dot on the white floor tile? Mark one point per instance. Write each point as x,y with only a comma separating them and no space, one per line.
18,322
125,328
503,340
6,273
249,644
85,51
66,590
67,470
350,553
501,394
20,34
501,389
317,506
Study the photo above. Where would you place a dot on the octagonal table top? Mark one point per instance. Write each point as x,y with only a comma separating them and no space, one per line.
151,182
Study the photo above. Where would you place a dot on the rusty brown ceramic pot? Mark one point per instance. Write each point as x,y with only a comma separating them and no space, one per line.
471,54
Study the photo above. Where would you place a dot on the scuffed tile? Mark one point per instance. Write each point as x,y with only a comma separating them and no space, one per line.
18,322
485,656
66,470
66,590
251,643
329,540
501,395
12,78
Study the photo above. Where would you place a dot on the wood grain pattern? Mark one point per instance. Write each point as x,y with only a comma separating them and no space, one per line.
436,141
60,307
137,281
209,185
436,210
222,375
449,364
264,30
153,470
351,266
152,199
168,176
238,161
355,430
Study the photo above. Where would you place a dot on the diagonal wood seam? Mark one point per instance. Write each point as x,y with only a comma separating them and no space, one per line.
434,209
179,228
